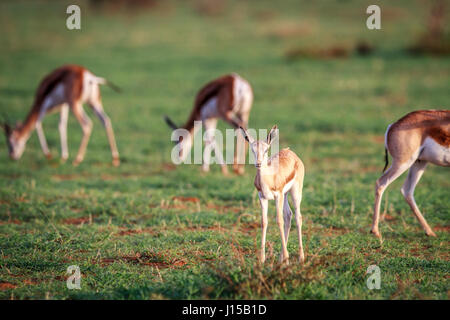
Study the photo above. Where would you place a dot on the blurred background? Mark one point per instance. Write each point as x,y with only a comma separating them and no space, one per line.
300,56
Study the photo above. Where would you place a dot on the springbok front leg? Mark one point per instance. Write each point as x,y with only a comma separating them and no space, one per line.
86,126
414,175
42,140
62,126
40,131
296,194
382,183
279,200
106,122
238,121
211,144
239,154
241,149
264,208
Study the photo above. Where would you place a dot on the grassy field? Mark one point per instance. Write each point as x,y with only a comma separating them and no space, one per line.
152,230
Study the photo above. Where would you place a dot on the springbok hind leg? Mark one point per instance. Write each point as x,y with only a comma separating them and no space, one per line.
97,106
86,126
382,183
279,201
414,175
287,214
296,193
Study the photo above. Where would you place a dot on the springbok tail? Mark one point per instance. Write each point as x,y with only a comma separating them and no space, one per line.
101,80
170,123
386,159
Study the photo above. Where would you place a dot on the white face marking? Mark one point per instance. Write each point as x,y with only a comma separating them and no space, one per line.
17,146
435,153
260,151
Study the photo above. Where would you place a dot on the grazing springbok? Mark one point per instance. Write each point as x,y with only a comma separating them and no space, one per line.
230,98
67,87
275,177
413,141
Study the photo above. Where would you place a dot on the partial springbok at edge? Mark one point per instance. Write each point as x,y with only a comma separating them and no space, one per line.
67,87
277,176
413,141
229,98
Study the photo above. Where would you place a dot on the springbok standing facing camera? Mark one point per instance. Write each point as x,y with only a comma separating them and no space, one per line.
275,177
67,87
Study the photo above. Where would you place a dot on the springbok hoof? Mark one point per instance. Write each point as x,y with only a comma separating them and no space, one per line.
75,162
376,233
239,170
225,171
49,156
301,259
284,261
430,233
116,162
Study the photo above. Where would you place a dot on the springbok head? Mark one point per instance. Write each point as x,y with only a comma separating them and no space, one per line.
15,142
260,148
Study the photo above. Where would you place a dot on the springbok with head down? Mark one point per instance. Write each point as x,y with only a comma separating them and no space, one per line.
229,98
67,87
277,176
419,138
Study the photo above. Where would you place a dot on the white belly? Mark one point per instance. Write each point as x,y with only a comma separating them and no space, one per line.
209,109
54,99
435,153
288,185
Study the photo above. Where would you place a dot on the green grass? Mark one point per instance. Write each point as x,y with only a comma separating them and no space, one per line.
124,227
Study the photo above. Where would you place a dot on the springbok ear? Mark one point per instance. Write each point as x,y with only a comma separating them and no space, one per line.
247,137
272,134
